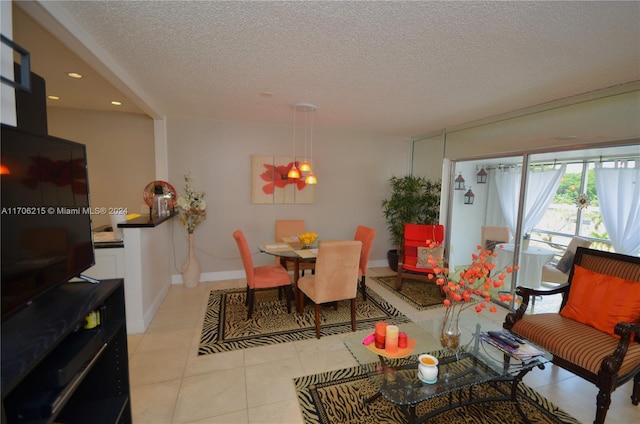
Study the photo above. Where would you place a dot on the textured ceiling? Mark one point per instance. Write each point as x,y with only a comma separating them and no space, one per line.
395,68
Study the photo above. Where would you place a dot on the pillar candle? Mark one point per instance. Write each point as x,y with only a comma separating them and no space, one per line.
402,340
391,340
380,334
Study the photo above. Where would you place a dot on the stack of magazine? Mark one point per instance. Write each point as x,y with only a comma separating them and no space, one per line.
511,345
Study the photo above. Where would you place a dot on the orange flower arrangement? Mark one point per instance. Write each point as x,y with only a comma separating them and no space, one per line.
471,283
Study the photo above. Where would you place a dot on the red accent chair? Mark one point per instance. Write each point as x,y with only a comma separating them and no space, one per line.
415,236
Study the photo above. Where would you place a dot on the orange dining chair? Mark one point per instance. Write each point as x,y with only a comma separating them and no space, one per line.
291,228
336,278
415,252
261,277
366,236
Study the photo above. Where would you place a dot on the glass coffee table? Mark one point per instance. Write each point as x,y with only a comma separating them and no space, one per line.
474,362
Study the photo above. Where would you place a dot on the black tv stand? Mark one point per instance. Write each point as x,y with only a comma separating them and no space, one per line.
59,367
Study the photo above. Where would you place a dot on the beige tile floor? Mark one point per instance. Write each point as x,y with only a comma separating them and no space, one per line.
170,383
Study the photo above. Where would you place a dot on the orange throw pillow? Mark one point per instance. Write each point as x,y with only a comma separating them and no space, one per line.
601,301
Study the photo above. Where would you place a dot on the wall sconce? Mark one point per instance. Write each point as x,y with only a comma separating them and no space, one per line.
469,197
482,176
458,183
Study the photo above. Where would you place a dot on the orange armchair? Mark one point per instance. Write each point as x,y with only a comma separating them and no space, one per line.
415,237
261,277
366,236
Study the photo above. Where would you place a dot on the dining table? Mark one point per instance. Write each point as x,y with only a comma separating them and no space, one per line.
531,262
290,248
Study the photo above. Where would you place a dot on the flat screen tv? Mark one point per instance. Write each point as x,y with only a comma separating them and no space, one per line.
46,221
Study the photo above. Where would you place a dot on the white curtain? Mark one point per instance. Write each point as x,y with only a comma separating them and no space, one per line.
508,187
541,188
494,216
619,197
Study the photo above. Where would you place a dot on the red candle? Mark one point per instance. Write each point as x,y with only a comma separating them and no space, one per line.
402,340
381,331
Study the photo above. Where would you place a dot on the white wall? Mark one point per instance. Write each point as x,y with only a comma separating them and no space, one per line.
613,117
468,219
120,155
352,169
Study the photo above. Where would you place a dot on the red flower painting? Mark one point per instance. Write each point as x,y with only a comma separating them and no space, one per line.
276,177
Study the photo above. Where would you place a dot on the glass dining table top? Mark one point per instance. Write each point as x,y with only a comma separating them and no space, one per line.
288,249
476,362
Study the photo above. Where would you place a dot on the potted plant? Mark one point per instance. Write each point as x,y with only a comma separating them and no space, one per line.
414,200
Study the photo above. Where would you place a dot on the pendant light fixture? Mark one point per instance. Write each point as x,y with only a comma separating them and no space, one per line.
293,172
305,166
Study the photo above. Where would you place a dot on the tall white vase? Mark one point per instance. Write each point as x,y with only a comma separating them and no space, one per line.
191,267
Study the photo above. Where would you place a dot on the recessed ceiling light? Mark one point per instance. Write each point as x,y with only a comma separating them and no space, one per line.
116,103
74,75
52,97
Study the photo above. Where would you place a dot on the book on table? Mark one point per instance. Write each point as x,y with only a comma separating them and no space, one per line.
505,342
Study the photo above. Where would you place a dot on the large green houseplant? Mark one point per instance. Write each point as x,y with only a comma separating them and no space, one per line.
414,200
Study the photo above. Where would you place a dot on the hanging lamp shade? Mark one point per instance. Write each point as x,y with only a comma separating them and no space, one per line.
293,172
305,166
311,178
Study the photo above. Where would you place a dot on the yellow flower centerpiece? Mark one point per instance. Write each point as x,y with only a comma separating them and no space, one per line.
307,238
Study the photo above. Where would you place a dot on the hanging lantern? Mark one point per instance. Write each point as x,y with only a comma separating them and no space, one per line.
482,176
469,197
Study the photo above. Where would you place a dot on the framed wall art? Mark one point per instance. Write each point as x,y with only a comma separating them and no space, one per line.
270,184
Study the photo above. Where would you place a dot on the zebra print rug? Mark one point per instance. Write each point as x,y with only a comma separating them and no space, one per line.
227,328
419,294
338,397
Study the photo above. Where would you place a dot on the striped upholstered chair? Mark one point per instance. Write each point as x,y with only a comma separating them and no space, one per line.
596,333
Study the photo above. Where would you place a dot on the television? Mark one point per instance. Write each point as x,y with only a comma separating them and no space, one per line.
45,217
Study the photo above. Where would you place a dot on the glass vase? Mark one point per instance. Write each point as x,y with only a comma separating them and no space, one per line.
191,266
450,330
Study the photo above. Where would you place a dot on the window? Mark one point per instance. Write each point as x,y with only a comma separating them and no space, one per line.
565,219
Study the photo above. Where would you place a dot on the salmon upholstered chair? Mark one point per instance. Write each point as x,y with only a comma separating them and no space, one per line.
415,252
291,228
366,236
261,277
336,278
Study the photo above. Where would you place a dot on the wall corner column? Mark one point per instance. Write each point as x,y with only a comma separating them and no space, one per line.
161,149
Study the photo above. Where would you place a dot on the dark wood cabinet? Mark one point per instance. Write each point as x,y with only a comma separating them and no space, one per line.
55,369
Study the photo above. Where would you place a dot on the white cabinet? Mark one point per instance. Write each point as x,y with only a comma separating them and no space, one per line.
109,264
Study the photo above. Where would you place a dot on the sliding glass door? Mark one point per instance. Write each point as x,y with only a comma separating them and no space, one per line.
556,199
